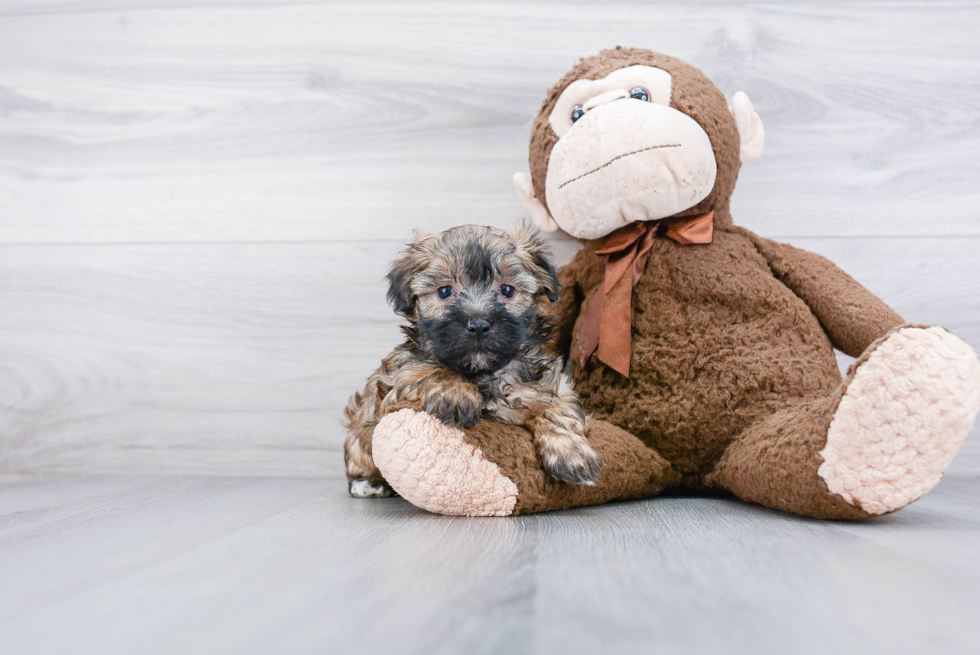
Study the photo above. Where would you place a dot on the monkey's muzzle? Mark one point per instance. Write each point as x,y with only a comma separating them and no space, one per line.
627,161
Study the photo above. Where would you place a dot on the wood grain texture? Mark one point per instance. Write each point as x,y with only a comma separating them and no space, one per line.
238,358
265,121
198,201
203,565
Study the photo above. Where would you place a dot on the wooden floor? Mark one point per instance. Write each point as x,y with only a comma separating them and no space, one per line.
293,565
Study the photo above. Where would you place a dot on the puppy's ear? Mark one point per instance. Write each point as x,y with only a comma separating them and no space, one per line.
409,264
538,259
399,288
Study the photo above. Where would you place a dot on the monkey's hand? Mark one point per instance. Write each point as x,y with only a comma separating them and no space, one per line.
452,400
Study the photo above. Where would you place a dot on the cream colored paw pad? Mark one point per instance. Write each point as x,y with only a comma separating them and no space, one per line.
902,419
430,465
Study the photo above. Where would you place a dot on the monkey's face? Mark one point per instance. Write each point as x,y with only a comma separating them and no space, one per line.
623,154
475,294
630,135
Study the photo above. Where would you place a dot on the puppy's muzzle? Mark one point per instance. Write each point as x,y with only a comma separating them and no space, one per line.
478,327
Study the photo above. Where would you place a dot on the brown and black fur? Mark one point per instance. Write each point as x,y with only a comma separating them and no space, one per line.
476,353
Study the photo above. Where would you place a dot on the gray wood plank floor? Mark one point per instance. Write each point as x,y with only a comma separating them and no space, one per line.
293,565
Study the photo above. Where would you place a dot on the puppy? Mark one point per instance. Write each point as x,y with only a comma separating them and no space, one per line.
479,343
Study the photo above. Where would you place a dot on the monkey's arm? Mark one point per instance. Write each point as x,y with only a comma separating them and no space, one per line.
851,315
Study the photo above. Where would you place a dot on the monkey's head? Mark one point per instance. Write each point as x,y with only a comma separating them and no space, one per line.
475,296
631,135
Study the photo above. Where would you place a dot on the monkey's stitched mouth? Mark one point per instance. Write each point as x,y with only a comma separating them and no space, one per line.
627,154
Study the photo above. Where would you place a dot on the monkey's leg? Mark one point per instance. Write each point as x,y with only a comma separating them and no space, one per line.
879,442
493,469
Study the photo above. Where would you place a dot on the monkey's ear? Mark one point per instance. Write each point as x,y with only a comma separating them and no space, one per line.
537,254
750,130
539,214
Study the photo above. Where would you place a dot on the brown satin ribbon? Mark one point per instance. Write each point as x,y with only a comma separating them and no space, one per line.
608,317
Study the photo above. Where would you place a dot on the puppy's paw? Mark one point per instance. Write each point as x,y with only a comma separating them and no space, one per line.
457,408
364,488
572,461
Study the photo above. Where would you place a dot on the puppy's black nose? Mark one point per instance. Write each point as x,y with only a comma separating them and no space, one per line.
478,326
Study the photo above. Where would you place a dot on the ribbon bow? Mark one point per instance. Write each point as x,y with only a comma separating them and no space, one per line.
608,317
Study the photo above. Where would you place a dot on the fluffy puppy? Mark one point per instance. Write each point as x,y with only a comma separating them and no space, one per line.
479,343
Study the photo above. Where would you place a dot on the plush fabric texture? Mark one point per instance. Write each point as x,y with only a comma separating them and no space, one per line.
719,343
658,164
877,457
850,315
655,81
907,408
691,93
478,471
775,461
733,381
435,468
606,324
750,130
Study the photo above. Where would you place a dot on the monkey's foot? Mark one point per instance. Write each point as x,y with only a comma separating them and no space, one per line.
431,465
909,404
493,469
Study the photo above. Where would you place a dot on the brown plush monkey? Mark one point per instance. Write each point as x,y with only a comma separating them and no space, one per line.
704,352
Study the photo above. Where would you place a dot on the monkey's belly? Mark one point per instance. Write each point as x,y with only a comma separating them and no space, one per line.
706,366
688,397
717,343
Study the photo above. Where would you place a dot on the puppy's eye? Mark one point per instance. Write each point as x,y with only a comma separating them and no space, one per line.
507,291
444,292
577,113
639,93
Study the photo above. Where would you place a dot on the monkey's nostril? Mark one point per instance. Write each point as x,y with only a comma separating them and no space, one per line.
478,326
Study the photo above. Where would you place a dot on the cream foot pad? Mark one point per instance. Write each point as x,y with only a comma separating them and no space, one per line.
902,419
430,465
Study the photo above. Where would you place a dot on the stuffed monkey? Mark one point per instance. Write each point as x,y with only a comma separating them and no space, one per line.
704,353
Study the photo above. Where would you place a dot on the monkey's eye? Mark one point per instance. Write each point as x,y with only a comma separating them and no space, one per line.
507,291
577,112
444,292
639,93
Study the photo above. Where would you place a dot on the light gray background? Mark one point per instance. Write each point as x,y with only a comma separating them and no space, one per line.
198,205
198,202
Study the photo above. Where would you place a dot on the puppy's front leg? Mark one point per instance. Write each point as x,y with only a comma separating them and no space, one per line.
560,431
450,398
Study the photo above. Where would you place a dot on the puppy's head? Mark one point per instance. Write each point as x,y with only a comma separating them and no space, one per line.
475,293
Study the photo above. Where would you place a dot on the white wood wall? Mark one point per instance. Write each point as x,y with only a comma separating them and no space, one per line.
198,202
